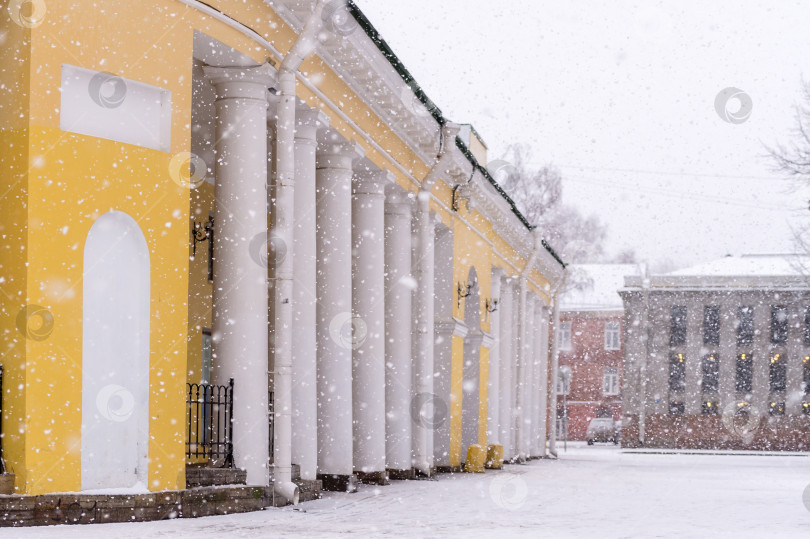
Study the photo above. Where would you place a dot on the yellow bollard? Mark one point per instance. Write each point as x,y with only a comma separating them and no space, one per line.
494,457
475,459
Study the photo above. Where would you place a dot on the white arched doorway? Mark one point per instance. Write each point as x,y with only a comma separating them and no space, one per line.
115,354
470,385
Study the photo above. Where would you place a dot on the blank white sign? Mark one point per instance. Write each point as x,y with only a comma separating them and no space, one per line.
104,105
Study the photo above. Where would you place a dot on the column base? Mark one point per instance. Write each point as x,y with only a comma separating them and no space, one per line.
421,475
448,469
372,478
338,482
401,475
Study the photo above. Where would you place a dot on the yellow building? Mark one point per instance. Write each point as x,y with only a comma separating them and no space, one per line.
195,193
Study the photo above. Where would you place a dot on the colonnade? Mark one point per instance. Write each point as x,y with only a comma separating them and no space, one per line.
371,365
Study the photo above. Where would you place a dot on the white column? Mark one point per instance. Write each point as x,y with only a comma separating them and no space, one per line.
555,362
304,350
423,330
493,429
515,385
399,286
541,382
506,365
520,374
240,313
335,325
368,305
528,375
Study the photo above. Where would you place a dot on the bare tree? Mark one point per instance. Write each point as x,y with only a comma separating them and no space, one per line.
538,194
793,159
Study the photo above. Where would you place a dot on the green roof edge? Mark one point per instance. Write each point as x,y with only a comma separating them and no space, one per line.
471,158
434,111
395,62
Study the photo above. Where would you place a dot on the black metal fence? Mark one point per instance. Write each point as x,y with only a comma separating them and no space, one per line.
210,423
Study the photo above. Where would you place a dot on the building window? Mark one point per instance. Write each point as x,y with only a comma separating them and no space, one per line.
612,341
776,408
745,326
677,326
777,372
611,381
806,374
779,324
709,408
807,326
744,373
564,336
677,407
677,372
711,325
711,373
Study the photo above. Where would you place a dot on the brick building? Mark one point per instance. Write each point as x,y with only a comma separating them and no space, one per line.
591,341
718,356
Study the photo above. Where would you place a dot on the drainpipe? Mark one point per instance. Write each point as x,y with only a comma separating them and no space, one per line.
522,351
283,230
645,324
423,364
555,356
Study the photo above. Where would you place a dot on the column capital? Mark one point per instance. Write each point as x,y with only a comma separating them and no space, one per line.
498,273
241,82
308,122
370,180
448,327
334,151
507,284
475,338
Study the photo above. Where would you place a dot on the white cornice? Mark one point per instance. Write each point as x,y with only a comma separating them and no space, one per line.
359,63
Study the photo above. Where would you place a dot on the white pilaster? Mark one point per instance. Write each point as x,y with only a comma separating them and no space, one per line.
240,314
304,350
335,325
442,403
506,366
368,306
493,421
399,286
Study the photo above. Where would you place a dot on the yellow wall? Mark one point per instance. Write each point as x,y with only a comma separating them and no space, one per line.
14,143
61,182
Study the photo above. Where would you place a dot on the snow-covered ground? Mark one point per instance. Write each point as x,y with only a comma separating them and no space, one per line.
592,491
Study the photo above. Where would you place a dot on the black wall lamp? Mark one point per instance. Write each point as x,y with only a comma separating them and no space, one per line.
463,292
204,232
491,305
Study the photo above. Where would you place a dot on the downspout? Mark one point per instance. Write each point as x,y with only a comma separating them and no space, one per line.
555,356
424,294
283,220
645,324
522,352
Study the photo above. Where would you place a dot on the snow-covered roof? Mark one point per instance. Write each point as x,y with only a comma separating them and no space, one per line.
752,265
598,286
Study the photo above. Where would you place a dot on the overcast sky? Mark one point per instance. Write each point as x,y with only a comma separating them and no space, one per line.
621,97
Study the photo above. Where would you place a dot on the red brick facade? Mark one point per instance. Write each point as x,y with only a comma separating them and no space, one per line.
588,358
